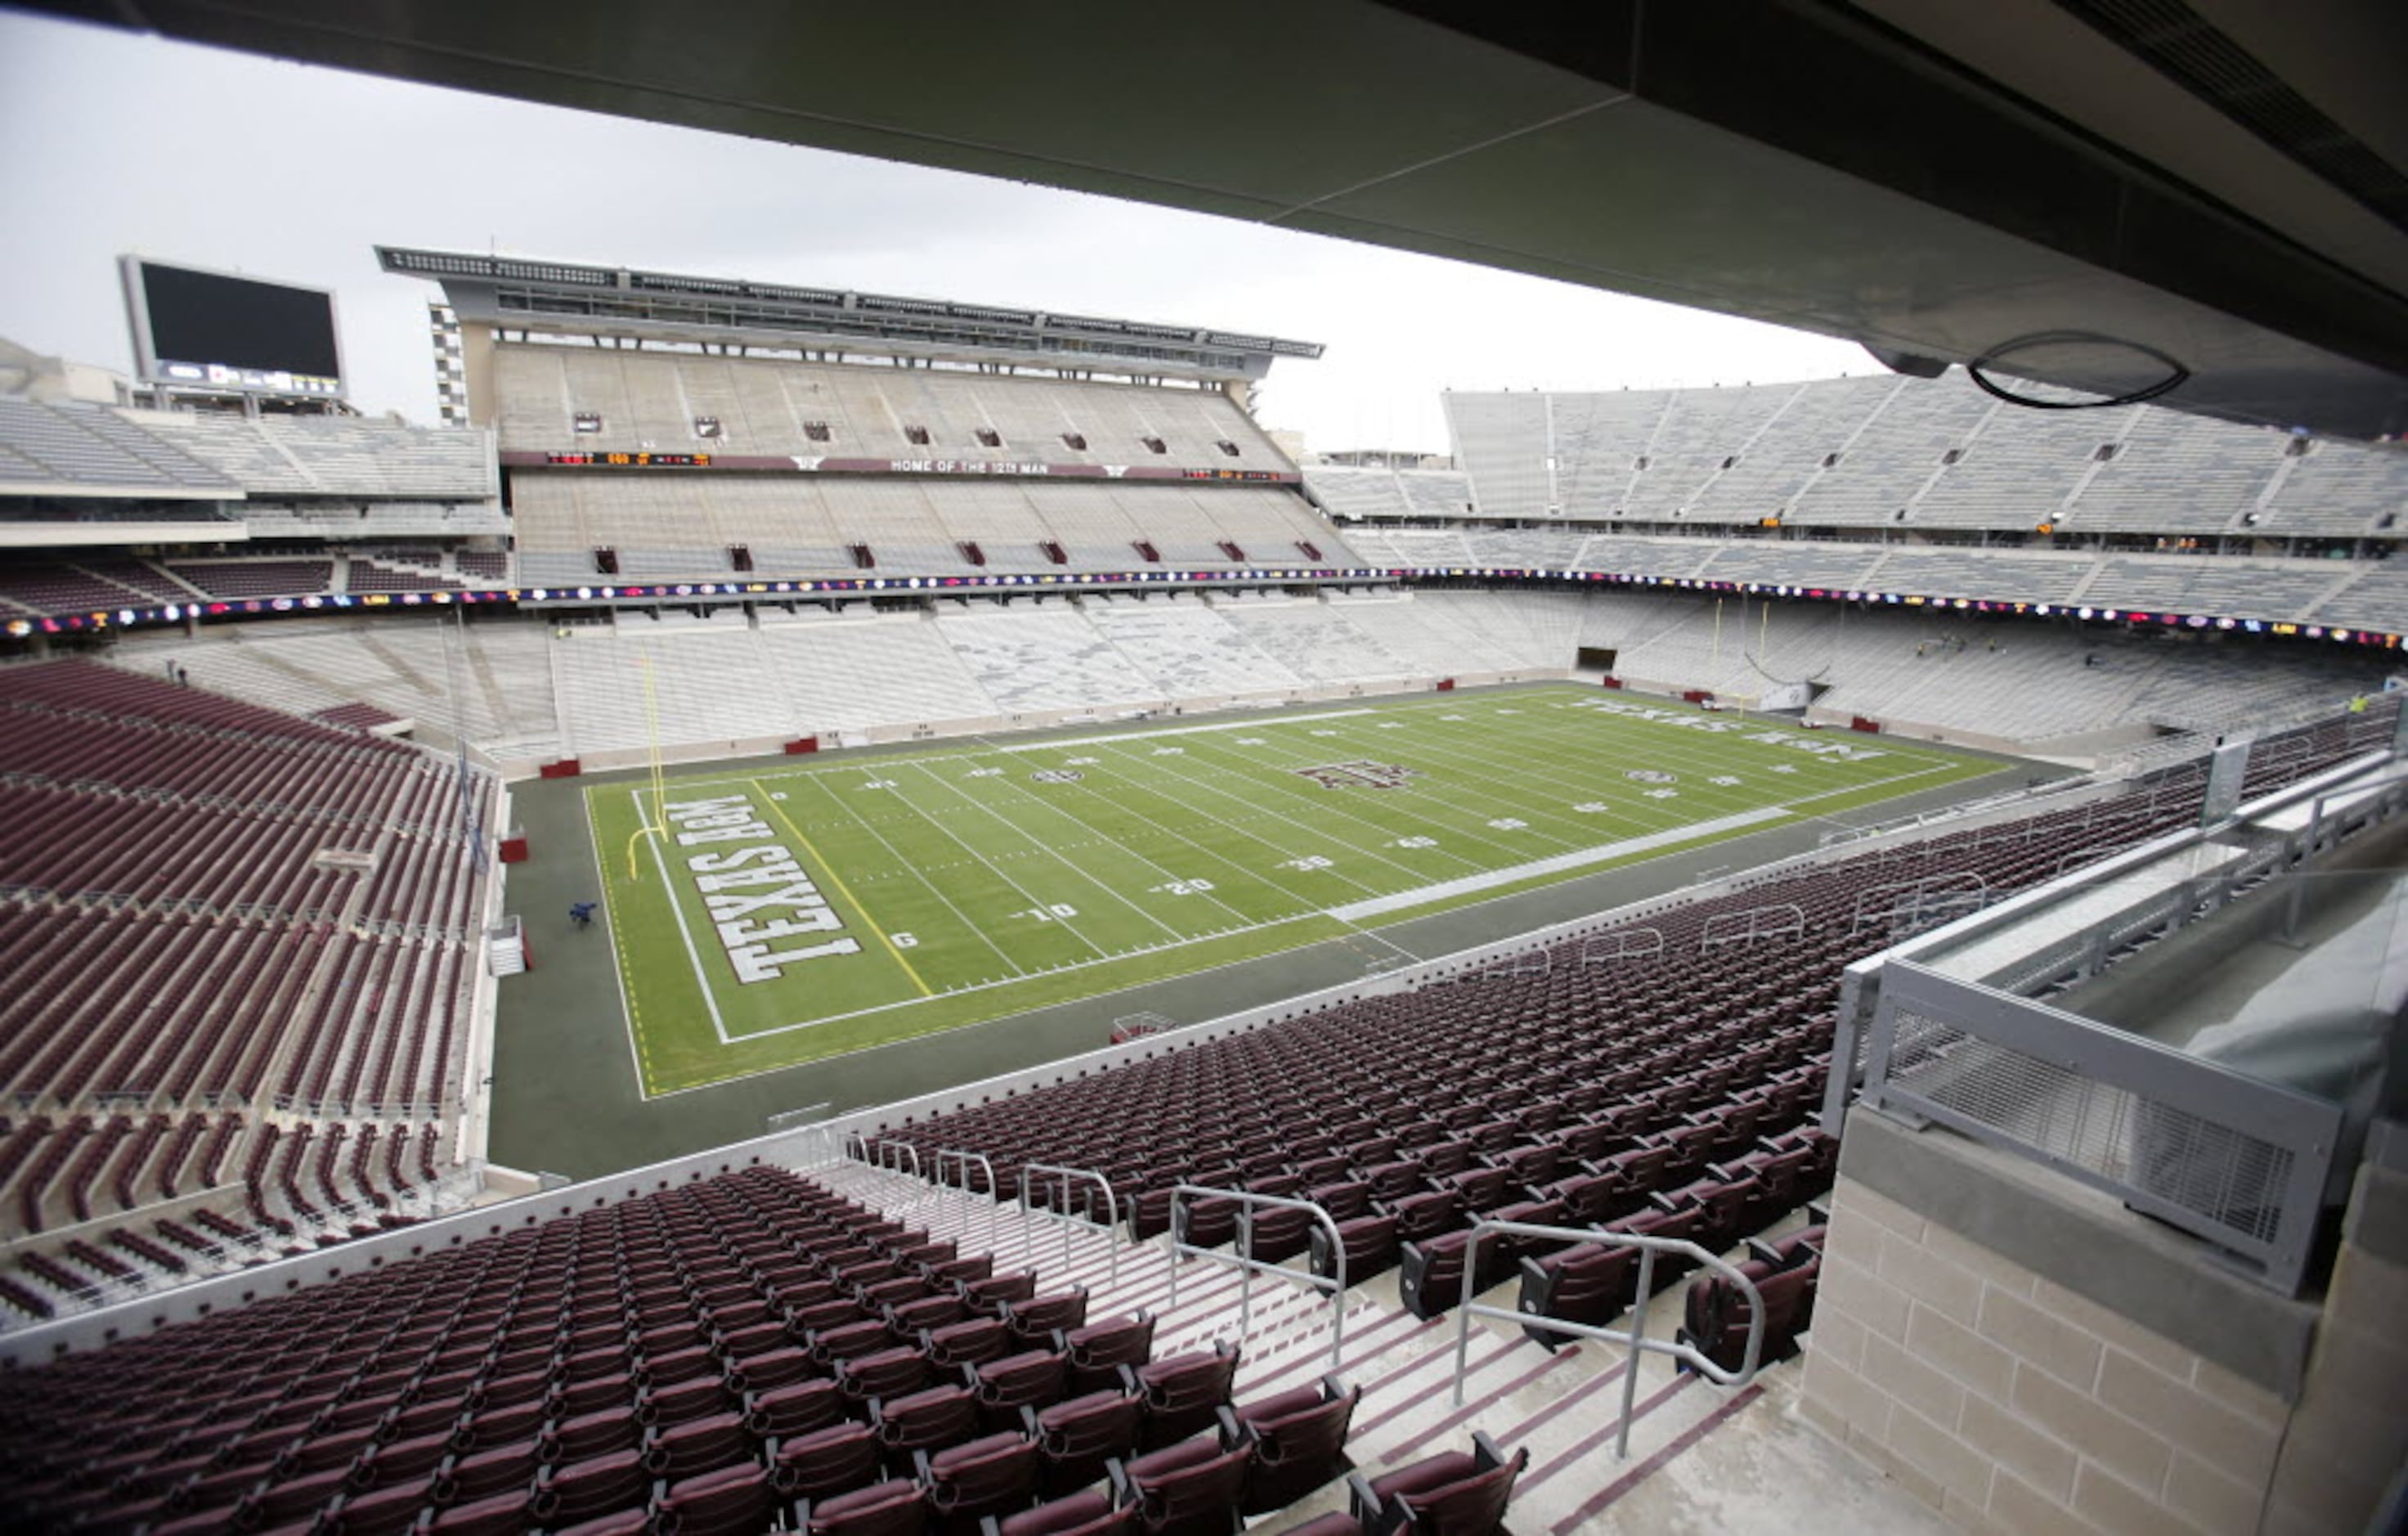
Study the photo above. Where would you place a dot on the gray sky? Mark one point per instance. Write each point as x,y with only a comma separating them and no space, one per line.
116,143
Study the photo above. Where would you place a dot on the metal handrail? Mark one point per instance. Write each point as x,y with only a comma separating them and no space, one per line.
855,1147
1247,1263
1754,918
816,1146
1939,888
896,1165
1062,1182
956,1157
1636,1335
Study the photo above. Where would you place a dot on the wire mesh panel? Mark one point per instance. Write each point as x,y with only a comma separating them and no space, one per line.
2235,1160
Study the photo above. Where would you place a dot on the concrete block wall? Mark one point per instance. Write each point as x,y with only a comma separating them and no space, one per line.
2013,1404
2348,1437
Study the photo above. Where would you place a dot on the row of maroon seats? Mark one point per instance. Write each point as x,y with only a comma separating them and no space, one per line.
45,588
1249,1460
1717,1314
259,578
604,1364
164,911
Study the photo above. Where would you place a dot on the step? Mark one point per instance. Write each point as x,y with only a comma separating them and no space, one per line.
1742,1454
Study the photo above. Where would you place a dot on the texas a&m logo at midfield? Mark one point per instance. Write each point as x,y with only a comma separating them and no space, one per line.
1360,775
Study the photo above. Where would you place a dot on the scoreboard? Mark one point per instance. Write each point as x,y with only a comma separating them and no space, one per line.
634,460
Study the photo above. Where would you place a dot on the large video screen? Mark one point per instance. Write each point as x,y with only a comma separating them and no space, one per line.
212,330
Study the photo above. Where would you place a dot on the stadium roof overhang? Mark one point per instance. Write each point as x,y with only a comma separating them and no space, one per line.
2140,186
573,299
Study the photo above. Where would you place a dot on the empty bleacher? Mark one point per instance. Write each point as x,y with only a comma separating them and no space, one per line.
256,577
521,693
1318,641
1502,443
2038,578
1414,549
1189,650
865,670
1532,631
83,586
2022,468
750,1351
364,575
1401,625
1351,494
2260,589
2179,474
1044,657
643,682
1675,470
1524,549
329,456
2286,590
1777,454
2374,597
1626,555
2338,489
1450,633
90,448
1888,453
681,526
1832,567
193,980
492,677
641,400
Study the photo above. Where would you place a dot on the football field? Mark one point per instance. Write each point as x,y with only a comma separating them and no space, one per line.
771,915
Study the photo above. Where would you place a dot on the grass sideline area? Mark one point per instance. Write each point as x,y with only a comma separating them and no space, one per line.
775,915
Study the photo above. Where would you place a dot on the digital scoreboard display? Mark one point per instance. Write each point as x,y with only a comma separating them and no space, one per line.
634,461
203,330
1250,477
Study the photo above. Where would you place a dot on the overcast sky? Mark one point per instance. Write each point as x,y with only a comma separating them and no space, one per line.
110,143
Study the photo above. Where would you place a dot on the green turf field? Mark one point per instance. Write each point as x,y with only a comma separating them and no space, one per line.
784,913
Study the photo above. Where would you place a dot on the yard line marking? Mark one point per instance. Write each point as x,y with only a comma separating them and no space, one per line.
1545,818
913,869
1349,849
1472,831
677,907
1053,849
1064,809
836,879
1255,723
1694,752
639,1051
1033,899
1103,776
1052,970
1555,864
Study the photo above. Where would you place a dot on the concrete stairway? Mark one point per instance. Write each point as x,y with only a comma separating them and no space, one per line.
1729,1459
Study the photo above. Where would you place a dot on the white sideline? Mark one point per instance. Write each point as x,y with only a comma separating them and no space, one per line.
1420,894
1250,722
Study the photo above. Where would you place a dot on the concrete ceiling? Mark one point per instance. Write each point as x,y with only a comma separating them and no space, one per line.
2214,184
